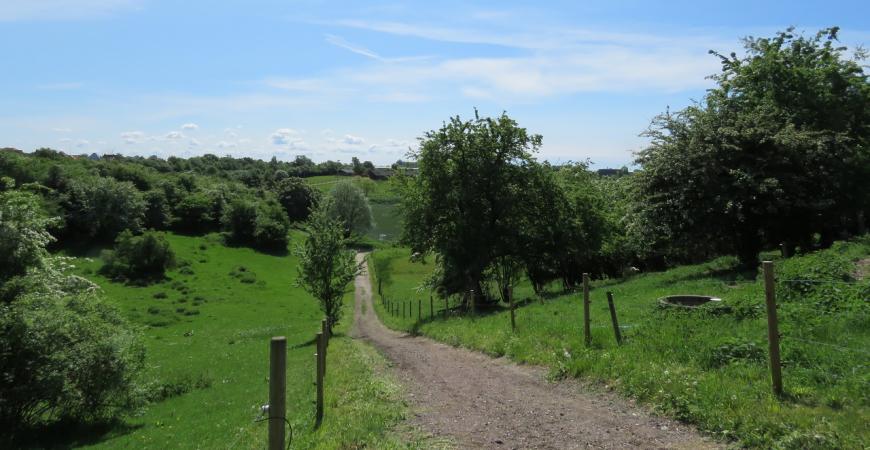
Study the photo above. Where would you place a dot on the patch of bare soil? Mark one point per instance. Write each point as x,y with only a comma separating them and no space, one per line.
480,402
862,268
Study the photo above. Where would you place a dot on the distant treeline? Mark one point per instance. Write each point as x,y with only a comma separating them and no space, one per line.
96,199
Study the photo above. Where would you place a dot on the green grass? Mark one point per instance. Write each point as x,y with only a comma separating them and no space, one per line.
707,367
207,330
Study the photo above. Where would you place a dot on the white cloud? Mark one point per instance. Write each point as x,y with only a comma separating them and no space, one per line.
133,137
353,140
174,135
34,10
225,144
194,142
285,136
190,126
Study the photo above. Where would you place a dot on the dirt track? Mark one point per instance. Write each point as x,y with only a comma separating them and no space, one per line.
480,402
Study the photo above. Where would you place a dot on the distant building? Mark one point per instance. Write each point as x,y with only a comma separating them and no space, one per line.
612,172
346,172
380,173
94,157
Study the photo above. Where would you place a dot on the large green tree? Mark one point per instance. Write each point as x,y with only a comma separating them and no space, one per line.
465,203
777,151
348,205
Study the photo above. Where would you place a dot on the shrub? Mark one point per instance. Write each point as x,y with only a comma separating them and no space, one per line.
264,225
22,234
194,213
103,207
296,197
240,219
138,257
65,356
272,226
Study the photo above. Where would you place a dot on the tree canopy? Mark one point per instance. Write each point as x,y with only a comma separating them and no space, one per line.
777,151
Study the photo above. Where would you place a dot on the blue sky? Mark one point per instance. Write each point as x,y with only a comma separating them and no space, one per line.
332,80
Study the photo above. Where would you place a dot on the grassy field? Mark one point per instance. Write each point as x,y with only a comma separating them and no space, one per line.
705,367
207,330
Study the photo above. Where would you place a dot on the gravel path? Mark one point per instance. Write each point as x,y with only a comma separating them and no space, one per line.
480,402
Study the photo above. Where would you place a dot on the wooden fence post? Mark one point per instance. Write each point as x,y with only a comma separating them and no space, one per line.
324,328
277,391
419,309
431,307
587,331
318,418
772,327
473,305
446,306
612,307
511,303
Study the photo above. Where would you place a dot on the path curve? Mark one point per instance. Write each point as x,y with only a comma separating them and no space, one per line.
481,402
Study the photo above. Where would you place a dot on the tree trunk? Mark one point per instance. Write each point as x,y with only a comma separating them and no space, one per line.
748,247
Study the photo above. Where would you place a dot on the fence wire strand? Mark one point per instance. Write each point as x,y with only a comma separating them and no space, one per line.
845,349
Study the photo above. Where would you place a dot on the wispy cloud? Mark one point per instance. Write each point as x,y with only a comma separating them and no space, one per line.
360,50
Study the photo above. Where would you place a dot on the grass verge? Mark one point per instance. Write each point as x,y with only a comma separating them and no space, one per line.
706,367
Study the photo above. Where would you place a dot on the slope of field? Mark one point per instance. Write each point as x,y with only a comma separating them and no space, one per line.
707,368
207,330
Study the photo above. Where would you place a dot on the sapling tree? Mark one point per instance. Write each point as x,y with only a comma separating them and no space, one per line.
326,265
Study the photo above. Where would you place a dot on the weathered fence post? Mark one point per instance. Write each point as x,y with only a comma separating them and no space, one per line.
321,362
403,310
587,331
772,327
472,303
446,306
431,307
324,328
277,391
612,307
419,309
511,303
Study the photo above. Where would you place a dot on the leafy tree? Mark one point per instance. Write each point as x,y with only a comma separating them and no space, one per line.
272,227
23,234
64,352
194,213
138,258
367,185
350,207
357,166
778,151
158,212
296,197
103,207
326,266
462,204
240,219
